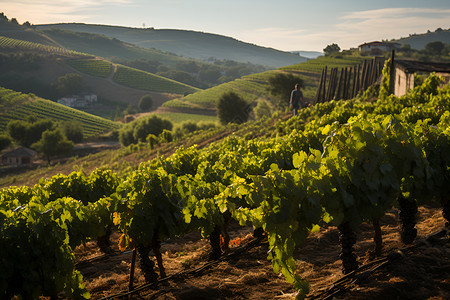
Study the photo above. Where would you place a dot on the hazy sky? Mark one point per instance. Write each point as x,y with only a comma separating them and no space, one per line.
281,24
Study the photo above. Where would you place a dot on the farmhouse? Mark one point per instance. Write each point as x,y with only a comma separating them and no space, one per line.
404,71
76,101
19,157
378,47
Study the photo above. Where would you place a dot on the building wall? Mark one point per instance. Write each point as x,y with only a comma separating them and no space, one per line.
403,82
17,161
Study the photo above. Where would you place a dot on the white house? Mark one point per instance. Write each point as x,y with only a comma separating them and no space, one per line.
378,47
78,101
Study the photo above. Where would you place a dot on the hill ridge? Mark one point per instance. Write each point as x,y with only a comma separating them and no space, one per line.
188,43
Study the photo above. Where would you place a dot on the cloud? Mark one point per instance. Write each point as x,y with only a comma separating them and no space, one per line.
42,11
358,27
363,26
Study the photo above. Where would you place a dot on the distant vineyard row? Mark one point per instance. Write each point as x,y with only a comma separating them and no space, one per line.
131,77
93,67
147,81
13,44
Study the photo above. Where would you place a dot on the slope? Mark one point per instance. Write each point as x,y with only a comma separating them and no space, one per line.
18,106
27,33
254,86
109,48
418,41
118,86
193,44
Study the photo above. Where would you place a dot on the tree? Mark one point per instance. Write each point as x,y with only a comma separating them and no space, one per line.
281,86
73,130
53,142
434,48
166,135
231,108
188,66
152,140
145,103
5,141
154,124
180,76
209,75
139,130
26,133
69,84
406,48
333,48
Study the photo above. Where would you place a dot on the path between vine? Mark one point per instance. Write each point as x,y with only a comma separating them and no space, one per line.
421,275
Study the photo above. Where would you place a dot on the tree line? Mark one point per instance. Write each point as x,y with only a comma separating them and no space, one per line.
196,73
47,137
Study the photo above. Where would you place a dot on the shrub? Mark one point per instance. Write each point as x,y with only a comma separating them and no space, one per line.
73,131
231,108
145,103
167,136
152,140
138,130
5,141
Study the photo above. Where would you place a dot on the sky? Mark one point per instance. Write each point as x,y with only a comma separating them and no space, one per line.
287,25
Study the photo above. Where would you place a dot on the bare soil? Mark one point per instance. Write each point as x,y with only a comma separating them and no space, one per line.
422,273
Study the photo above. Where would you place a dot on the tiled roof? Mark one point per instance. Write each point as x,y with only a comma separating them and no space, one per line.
20,151
420,66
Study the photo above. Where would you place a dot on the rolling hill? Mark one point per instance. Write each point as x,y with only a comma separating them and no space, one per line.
254,86
18,106
198,45
418,41
37,66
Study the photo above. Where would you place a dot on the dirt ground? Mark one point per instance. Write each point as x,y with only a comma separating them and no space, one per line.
421,273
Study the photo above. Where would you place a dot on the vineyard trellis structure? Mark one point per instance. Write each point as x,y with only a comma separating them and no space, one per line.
346,83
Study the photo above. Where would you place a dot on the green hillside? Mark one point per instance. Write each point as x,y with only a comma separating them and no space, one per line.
147,81
19,106
418,41
11,44
110,48
192,44
252,87
31,67
22,32
93,67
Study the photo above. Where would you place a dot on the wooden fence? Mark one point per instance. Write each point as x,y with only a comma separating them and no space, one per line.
347,82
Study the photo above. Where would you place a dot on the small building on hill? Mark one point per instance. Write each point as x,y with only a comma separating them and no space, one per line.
378,47
78,101
404,71
19,156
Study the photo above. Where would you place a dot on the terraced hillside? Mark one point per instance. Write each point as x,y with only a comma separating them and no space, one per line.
10,44
19,106
252,87
122,88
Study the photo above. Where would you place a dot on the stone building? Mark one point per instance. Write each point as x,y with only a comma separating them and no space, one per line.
404,71
19,156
